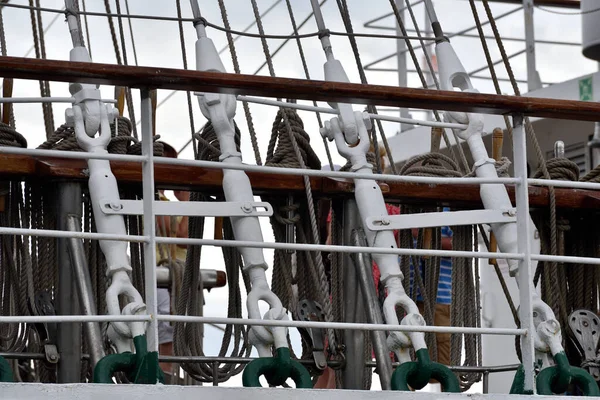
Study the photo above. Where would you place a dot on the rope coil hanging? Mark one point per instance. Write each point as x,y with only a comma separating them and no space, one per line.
187,337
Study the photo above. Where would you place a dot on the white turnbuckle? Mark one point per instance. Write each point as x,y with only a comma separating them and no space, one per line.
371,204
547,337
219,109
91,121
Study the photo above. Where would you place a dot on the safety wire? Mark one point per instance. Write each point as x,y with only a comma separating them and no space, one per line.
307,74
411,50
115,41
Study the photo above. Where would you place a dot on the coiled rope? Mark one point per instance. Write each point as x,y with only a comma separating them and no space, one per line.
187,338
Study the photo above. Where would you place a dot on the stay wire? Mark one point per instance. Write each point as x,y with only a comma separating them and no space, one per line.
345,13
214,26
307,74
488,58
324,287
185,65
431,11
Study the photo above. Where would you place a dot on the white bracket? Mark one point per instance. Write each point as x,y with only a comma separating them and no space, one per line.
435,219
190,208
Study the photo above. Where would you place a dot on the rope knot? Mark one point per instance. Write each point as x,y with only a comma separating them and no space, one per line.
283,218
324,33
562,224
280,152
200,20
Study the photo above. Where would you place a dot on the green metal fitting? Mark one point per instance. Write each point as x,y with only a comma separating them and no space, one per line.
555,380
140,367
417,374
5,371
277,370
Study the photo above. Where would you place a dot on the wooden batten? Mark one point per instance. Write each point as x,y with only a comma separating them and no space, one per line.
254,85
209,181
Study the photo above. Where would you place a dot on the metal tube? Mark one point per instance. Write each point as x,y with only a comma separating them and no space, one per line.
333,111
280,246
30,319
84,291
149,219
359,326
210,278
18,100
486,382
67,234
524,278
364,274
72,23
401,64
533,79
353,374
69,334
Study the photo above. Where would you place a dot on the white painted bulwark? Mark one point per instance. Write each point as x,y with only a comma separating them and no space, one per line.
31,391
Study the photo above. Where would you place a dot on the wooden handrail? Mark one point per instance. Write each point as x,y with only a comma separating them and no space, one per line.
575,4
209,181
177,79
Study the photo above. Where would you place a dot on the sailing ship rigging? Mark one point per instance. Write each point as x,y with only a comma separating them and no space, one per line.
374,274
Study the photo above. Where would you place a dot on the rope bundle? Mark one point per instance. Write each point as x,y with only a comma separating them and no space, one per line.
122,142
465,306
187,337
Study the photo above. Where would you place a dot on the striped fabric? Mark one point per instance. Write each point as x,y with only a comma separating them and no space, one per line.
444,292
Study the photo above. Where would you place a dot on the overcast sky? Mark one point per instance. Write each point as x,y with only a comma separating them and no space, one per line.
157,44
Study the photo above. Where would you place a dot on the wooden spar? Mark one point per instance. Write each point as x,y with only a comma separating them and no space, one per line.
177,79
576,4
209,181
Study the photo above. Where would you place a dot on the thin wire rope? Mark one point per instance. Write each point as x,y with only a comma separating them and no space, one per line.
489,60
409,7
236,68
311,209
307,74
281,45
344,11
413,56
185,66
40,52
217,27
566,12
115,42
87,28
130,31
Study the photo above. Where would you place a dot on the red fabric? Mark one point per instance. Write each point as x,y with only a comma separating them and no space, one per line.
392,210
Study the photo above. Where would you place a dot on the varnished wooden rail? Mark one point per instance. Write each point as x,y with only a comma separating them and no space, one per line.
176,79
545,3
209,181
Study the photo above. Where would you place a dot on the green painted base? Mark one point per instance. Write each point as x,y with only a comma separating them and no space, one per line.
418,374
5,371
276,370
141,367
